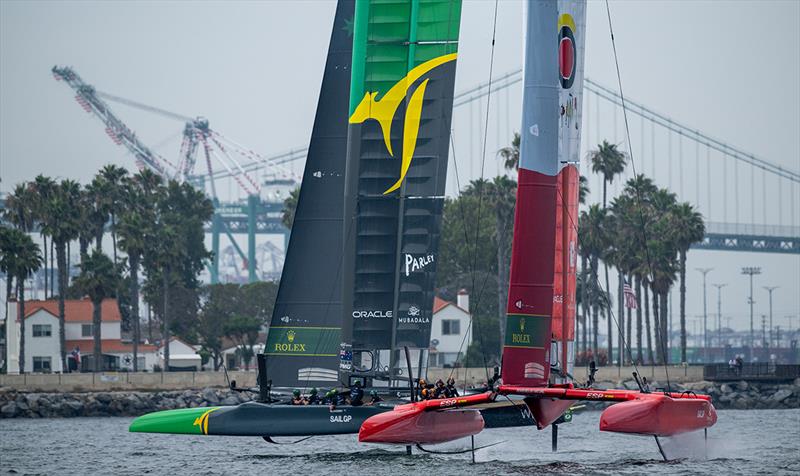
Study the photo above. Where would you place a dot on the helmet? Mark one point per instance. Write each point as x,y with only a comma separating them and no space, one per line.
451,381
296,393
439,382
358,383
334,391
314,391
373,393
422,381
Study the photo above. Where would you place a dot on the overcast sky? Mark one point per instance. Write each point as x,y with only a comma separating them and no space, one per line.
730,69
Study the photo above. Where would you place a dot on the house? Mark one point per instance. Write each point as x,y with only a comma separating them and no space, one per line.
451,333
42,350
182,356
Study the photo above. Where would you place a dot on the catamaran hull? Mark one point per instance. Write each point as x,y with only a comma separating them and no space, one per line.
658,415
260,419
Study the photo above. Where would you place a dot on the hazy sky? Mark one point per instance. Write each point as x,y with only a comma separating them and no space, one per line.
730,69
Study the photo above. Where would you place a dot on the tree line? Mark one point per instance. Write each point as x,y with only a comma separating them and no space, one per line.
644,234
156,229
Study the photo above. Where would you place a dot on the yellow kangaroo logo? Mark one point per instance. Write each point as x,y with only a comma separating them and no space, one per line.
384,109
202,421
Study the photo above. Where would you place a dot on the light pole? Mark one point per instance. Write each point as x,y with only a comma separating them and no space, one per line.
719,287
751,270
705,314
769,290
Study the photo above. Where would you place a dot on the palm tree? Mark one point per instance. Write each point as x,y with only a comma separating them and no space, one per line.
96,208
610,162
686,228
19,258
98,280
115,178
60,217
510,154
43,188
134,219
593,243
289,208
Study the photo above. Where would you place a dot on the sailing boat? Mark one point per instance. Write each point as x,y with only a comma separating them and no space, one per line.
371,200
538,351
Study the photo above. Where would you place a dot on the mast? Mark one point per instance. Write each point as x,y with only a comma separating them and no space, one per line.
540,318
303,341
401,100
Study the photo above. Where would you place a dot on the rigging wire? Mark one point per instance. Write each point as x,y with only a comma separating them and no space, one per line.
636,185
481,182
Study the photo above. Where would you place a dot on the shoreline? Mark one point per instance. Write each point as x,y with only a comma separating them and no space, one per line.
14,403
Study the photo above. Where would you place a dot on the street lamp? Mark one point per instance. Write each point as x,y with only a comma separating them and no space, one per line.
769,290
705,314
719,311
751,270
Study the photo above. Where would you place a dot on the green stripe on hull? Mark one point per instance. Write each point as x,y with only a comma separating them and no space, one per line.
184,421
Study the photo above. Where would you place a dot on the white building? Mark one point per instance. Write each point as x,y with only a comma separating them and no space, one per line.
182,356
41,327
449,328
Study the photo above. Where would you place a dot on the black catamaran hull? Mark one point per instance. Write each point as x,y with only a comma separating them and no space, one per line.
261,419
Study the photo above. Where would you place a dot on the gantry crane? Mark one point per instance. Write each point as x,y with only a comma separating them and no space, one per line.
197,136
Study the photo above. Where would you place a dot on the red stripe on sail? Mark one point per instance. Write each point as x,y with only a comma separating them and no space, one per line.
566,238
530,293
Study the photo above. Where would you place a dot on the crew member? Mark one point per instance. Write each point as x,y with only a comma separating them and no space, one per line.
451,390
356,394
331,398
440,390
375,397
423,389
645,385
297,398
313,397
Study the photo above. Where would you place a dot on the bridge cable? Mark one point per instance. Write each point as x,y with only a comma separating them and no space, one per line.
636,187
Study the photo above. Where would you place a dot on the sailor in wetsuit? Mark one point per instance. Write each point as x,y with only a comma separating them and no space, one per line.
331,398
313,397
440,391
422,388
450,390
356,394
297,398
375,397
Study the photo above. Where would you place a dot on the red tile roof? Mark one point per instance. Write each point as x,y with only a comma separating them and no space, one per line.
76,310
111,346
439,304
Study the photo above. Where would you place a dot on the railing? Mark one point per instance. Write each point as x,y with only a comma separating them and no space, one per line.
745,229
754,371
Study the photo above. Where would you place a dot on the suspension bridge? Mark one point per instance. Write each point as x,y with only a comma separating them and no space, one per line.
748,202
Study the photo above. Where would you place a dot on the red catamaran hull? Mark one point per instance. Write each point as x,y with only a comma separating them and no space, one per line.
659,415
425,422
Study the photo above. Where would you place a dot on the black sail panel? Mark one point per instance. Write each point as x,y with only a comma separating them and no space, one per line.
303,341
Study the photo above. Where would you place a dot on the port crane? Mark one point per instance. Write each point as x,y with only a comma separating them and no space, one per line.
199,140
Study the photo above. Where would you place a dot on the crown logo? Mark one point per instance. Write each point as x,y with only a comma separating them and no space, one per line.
522,325
290,336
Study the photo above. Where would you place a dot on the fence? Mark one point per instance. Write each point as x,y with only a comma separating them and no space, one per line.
754,371
77,382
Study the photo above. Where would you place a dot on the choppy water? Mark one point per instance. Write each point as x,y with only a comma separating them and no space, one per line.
742,443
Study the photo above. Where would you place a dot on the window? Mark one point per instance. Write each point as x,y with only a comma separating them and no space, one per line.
86,330
451,327
42,330
41,364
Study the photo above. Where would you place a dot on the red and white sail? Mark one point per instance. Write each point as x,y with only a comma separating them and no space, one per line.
540,324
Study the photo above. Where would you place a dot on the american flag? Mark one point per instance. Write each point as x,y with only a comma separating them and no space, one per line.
630,296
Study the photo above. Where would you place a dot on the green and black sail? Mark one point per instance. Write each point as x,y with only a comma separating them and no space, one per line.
305,332
401,102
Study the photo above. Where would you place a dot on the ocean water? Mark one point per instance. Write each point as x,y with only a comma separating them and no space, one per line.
742,443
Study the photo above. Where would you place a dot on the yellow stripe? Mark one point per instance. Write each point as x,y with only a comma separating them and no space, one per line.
566,20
